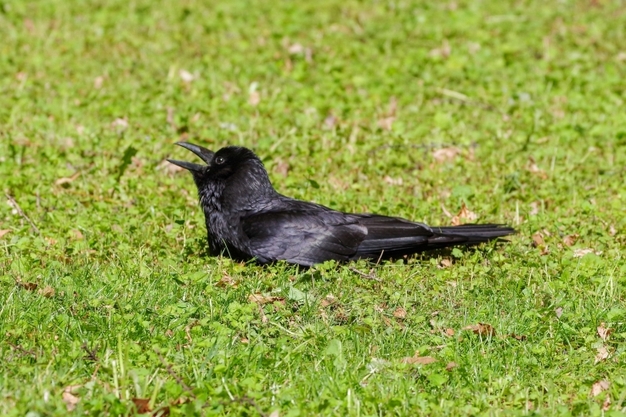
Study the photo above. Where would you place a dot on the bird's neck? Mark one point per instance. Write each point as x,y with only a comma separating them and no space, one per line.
248,189
245,190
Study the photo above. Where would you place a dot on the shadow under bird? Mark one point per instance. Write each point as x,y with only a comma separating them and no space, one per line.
247,219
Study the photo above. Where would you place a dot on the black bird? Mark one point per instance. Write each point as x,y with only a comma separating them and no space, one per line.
247,219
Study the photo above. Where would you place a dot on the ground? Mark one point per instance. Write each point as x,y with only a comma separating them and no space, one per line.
443,112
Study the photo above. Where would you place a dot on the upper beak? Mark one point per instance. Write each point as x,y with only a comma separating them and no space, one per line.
204,154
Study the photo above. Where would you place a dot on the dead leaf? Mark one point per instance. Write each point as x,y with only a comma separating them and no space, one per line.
599,387
538,240
399,313
342,318
606,405
558,311
47,292
136,162
446,154
98,81
299,49
120,123
142,405
4,232
532,167
77,234
449,332
295,49
570,240
393,181
445,263
261,299
602,354
227,281
69,396
579,253
330,121
520,337
254,97
186,76
443,52
165,410
328,300
416,359
29,286
540,243
386,123
481,329
244,340
282,167
464,216
451,365
603,331
67,180
433,324
534,208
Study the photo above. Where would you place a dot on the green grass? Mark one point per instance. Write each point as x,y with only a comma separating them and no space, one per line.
109,294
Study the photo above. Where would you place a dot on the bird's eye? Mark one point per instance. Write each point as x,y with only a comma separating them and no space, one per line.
220,160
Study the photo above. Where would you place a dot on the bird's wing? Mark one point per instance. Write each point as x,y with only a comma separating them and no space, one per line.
303,237
392,237
313,234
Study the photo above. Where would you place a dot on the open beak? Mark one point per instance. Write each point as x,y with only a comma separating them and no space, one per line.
204,154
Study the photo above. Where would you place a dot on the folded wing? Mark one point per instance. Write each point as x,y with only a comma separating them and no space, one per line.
307,237
301,237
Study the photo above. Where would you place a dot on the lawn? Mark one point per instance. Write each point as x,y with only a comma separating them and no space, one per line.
515,110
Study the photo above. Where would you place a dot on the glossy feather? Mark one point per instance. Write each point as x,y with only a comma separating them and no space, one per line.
247,219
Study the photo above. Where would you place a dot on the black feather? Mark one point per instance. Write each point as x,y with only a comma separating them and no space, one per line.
247,219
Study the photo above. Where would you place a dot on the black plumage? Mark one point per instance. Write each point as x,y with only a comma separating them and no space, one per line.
247,219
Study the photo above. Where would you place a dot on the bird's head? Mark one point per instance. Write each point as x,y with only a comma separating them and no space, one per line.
229,165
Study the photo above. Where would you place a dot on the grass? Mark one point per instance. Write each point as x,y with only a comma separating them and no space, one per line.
109,304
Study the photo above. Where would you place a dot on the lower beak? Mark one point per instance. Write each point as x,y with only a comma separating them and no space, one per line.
204,154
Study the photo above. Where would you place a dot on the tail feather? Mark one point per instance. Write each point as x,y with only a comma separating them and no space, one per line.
473,233
398,237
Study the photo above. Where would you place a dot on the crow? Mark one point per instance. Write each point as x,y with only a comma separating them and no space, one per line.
247,219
